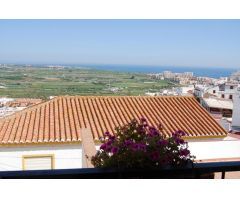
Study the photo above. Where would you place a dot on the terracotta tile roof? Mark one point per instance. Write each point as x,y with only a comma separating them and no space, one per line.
61,119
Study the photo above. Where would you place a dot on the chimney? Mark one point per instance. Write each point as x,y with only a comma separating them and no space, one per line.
236,111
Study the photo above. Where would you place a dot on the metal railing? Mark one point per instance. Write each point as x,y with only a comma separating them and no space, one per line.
197,170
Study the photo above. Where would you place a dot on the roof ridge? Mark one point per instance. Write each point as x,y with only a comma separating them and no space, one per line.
97,96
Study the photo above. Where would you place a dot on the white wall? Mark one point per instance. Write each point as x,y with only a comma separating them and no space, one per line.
215,149
210,90
66,156
236,110
70,156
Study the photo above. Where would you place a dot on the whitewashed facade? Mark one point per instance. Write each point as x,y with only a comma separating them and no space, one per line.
70,156
64,156
215,148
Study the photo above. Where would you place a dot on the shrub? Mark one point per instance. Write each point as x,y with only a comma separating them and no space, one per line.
138,145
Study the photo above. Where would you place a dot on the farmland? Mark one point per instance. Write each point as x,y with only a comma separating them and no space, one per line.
42,82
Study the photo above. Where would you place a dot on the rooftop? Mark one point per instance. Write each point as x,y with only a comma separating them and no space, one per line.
219,103
61,119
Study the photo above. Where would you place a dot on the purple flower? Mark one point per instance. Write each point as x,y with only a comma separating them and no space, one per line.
179,133
134,147
114,150
107,133
153,132
128,142
138,147
162,142
112,138
184,152
143,119
151,128
179,141
103,146
108,148
175,135
182,133
142,147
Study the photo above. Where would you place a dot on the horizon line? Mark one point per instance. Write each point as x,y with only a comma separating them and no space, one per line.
114,65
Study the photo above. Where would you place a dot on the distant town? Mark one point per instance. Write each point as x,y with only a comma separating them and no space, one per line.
215,95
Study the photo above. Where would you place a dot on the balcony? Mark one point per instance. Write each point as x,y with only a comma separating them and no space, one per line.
195,171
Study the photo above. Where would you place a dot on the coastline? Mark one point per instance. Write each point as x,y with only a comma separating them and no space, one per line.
215,72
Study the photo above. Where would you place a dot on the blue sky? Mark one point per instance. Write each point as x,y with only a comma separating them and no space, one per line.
194,43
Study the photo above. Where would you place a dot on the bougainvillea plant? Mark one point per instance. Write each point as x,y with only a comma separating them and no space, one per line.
138,145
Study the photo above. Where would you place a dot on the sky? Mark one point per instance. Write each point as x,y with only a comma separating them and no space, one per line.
194,43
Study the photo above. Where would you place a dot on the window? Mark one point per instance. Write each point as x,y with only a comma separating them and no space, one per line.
223,96
214,91
38,162
230,96
231,87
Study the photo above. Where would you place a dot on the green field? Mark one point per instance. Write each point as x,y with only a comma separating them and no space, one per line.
41,82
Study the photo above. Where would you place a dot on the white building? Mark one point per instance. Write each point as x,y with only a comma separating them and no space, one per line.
51,156
168,75
57,134
236,112
216,105
227,90
186,91
199,90
222,91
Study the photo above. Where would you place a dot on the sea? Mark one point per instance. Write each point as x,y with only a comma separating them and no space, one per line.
213,72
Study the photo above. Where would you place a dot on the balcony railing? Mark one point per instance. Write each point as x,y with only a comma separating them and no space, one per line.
197,170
